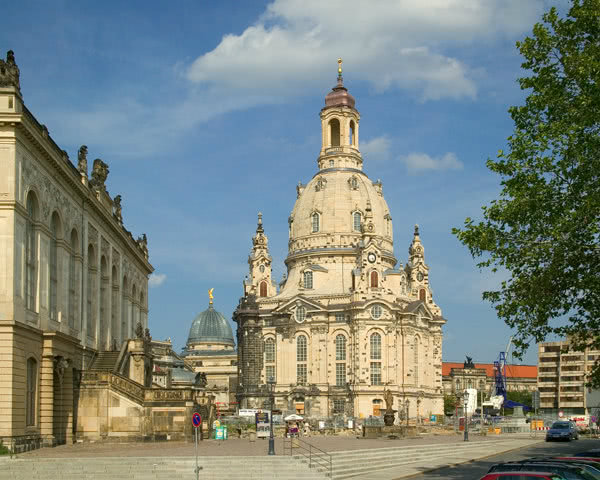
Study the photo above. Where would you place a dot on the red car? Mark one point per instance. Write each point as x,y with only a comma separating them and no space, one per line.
587,459
522,476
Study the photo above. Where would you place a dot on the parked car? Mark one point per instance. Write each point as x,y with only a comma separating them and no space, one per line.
522,476
562,430
592,468
595,452
570,472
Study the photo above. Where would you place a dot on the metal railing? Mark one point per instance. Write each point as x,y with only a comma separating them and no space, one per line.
316,457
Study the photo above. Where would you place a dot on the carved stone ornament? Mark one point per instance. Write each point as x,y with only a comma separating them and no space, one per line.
353,182
321,184
9,72
60,365
139,330
99,175
82,165
118,209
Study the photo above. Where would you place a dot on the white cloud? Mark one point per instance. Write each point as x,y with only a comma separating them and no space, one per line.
157,279
376,149
421,162
388,44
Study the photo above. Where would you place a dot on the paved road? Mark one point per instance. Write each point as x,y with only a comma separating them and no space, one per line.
475,470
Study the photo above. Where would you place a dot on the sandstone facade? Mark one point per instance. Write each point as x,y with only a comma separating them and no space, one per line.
348,321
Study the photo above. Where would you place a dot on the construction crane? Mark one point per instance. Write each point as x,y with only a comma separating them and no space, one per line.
498,399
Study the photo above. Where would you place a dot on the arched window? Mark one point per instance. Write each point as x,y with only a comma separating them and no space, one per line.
91,292
73,280
263,289
30,253
334,132
31,396
340,347
124,311
300,314
422,294
301,359
331,163
416,359
357,221
269,350
103,303
374,279
352,133
308,279
375,342
315,222
134,311
53,267
114,303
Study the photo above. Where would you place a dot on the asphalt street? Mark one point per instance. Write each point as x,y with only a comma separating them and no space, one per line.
477,469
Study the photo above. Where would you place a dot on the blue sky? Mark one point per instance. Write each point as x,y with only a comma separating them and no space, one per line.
208,112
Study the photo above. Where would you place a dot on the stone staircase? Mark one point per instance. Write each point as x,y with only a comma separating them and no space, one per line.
157,468
105,361
396,462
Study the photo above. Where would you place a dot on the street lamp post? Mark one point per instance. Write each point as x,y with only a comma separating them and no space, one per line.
406,404
271,382
466,417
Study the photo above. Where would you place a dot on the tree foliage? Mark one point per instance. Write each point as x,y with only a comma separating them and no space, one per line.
449,404
543,230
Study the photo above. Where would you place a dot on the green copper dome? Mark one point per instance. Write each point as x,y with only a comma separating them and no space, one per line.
210,326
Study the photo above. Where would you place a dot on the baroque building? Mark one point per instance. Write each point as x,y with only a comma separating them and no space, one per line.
210,350
348,321
73,280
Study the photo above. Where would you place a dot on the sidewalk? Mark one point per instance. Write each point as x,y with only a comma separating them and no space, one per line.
241,447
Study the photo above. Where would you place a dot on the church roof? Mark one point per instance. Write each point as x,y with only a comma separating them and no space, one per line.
210,326
512,371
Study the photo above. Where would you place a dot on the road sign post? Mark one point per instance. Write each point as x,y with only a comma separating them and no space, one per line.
197,422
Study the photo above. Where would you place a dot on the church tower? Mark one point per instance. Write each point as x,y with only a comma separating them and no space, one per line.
349,325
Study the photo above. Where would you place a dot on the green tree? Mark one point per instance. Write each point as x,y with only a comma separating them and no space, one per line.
543,230
449,404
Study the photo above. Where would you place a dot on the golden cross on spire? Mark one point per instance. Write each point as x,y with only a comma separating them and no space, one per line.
210,296
339,67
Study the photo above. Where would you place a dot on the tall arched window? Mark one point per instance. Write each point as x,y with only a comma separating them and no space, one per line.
263,289
134,311
334,132
91,292
30,253
142,309
114,303
422,294
53,267
374,279
73,280
270,355
308,279
375,355
417,360
315,222
301,359
103,303
340,357
31,396
356,221
124,310
352,133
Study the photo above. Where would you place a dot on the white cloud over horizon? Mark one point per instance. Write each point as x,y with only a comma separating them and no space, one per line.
421,162
157,279
376,149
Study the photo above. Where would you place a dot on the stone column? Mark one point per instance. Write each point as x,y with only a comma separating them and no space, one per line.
68,402
46,415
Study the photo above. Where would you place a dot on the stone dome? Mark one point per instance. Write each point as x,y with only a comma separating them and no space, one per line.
336,194
210,326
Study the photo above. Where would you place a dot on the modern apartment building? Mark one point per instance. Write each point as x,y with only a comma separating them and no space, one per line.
562,374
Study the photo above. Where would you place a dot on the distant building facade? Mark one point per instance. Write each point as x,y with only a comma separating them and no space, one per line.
73,280
210,350
481,376
562,377
348,322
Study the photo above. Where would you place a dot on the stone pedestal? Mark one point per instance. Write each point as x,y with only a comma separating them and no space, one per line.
388,418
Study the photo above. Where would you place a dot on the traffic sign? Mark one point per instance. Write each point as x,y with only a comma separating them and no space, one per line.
196,419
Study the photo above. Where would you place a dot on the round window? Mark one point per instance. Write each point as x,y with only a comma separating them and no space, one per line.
376,311
300,314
